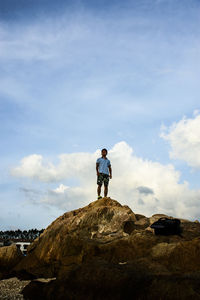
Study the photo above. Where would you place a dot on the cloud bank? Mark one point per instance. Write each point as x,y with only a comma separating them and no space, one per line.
147,186
184,139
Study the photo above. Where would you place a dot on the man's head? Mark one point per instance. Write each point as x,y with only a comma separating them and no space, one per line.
104,152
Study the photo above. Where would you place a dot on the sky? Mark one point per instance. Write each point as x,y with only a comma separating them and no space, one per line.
79,76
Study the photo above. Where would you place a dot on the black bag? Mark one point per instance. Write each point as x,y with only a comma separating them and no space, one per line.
166,226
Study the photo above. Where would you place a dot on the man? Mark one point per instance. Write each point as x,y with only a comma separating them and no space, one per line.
103,168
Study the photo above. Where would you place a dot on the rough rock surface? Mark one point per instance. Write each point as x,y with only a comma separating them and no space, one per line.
9,257
77,236
108,252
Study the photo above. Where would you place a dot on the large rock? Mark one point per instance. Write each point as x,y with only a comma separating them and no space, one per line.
101,280
78,235
106,246
9,257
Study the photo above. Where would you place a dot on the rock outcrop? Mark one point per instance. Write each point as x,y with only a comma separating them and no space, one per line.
77,236
105,251
9,257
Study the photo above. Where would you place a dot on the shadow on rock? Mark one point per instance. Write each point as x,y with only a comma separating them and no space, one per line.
100,280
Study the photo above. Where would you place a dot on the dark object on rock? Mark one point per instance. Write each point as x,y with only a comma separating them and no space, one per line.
166,226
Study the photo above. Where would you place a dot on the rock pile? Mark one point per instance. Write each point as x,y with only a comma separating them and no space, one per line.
105,251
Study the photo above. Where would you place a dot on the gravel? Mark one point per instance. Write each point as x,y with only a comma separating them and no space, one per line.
10,288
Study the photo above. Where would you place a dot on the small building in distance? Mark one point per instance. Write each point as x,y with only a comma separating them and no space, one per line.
22,239
23,245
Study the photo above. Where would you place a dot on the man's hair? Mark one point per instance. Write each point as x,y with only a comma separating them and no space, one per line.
104,149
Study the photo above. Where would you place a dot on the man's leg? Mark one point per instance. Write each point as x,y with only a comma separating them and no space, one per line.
99,190
105,190
106,182
99,183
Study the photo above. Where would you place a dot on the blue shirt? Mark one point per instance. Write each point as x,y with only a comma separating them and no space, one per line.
103,165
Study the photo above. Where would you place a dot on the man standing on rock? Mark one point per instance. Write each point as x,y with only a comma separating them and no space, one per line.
103,168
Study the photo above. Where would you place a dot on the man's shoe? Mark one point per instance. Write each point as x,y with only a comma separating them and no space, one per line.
99,197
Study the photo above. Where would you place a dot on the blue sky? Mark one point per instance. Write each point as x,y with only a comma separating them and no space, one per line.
77,76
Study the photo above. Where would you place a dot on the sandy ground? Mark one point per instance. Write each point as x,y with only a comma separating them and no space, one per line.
11,288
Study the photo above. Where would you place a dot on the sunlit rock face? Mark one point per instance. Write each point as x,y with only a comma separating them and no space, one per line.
9,257
105,246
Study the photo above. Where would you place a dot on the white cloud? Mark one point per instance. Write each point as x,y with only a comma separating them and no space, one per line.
61,189
184,139
147,187
32,166
76,165
66,198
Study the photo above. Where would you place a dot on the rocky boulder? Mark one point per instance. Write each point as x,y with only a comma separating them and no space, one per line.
78,235
9,257
99,280
105,248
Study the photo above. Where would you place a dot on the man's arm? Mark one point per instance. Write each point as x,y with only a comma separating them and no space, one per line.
110,170
97,168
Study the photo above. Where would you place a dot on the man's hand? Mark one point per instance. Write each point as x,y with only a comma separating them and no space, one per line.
110,171
97,168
